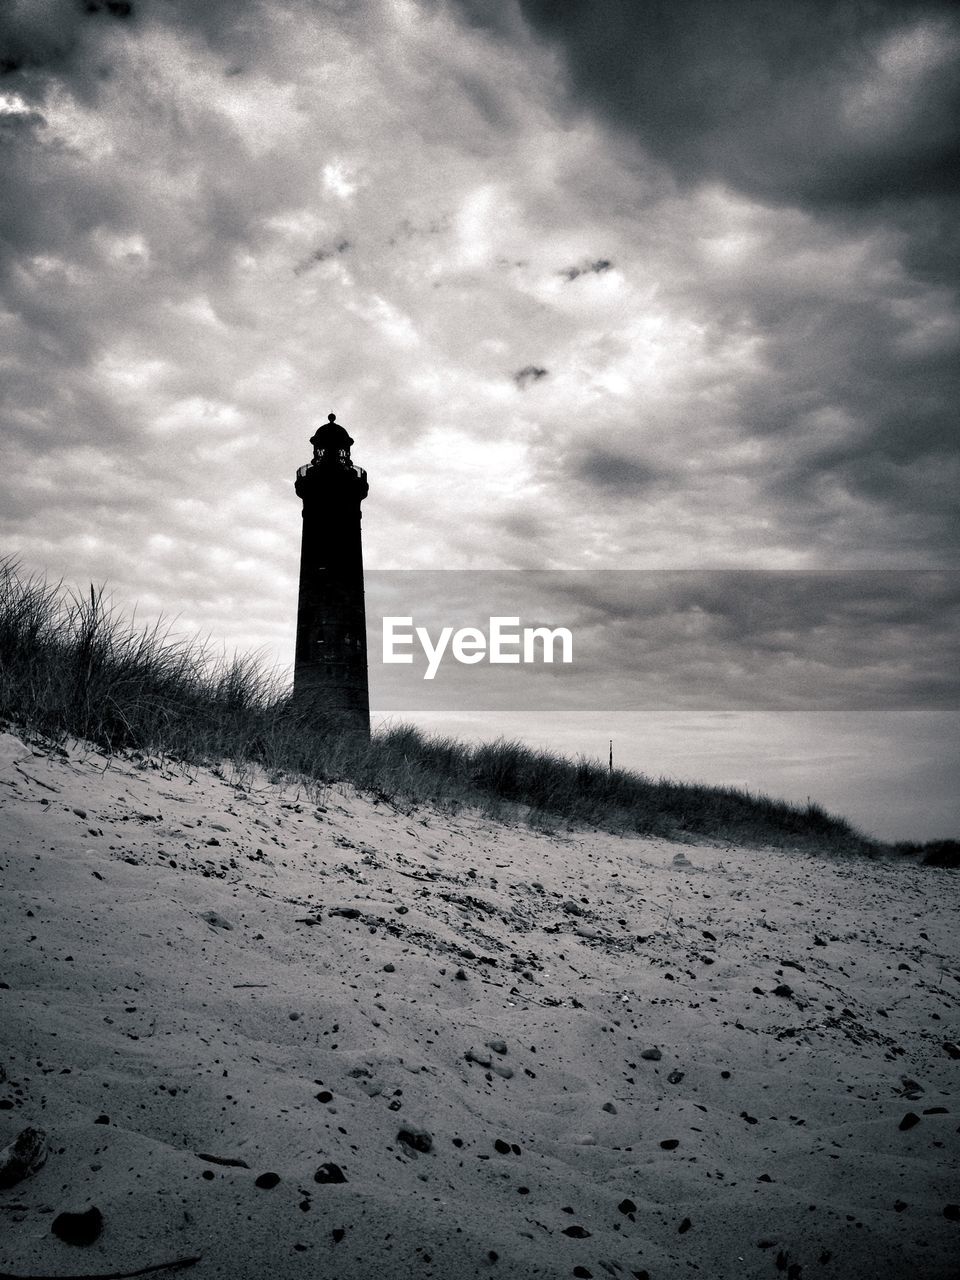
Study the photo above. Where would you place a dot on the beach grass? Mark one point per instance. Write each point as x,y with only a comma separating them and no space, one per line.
72,667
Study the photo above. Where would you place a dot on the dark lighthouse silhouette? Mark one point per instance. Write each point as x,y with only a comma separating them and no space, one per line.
330,669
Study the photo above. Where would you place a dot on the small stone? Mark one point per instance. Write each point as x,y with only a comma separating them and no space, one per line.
685,1225
783,990
670,1144
102,1119
675,1077
498,1046
576,1232
460,975
389,968
78,1228
651,1055
627,1206
952,1212
215,920
909,1120
952,1050
582,1273
324,1096
416,1139
329,1172
267,1181
502,1147
609,1108
24,1156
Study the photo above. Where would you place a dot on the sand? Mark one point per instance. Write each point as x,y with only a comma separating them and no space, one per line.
462,1048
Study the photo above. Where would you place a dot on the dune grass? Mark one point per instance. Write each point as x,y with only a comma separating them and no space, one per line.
71,667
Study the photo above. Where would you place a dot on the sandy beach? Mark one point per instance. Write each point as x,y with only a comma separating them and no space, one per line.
458,1047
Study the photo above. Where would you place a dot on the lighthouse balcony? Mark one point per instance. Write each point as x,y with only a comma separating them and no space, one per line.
311,468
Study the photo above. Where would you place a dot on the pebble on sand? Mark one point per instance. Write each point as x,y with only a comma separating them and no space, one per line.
416,1139
78,1228
215,920
24,1156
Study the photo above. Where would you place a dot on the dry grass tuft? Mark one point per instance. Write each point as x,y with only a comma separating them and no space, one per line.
70,667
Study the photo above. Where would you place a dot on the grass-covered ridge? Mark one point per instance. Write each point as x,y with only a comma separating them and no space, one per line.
71,667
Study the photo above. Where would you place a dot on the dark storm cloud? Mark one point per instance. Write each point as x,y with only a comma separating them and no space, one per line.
50,38
69,40
613,472
817,101
855,402
596,267
322,254
843,119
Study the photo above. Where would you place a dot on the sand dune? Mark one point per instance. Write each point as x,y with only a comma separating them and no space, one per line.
459,1048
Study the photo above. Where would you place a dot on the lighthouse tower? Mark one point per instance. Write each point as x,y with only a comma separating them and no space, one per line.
330,672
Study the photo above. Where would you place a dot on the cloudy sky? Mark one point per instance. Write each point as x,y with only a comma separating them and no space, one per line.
599,285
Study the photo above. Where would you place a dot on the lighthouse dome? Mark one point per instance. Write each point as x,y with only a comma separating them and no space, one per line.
331,438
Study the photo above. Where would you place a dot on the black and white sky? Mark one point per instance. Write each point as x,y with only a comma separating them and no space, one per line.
607,284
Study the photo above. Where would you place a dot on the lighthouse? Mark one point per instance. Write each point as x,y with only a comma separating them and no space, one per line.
330,671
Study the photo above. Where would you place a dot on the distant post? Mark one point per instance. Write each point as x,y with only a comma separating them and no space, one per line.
330,668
